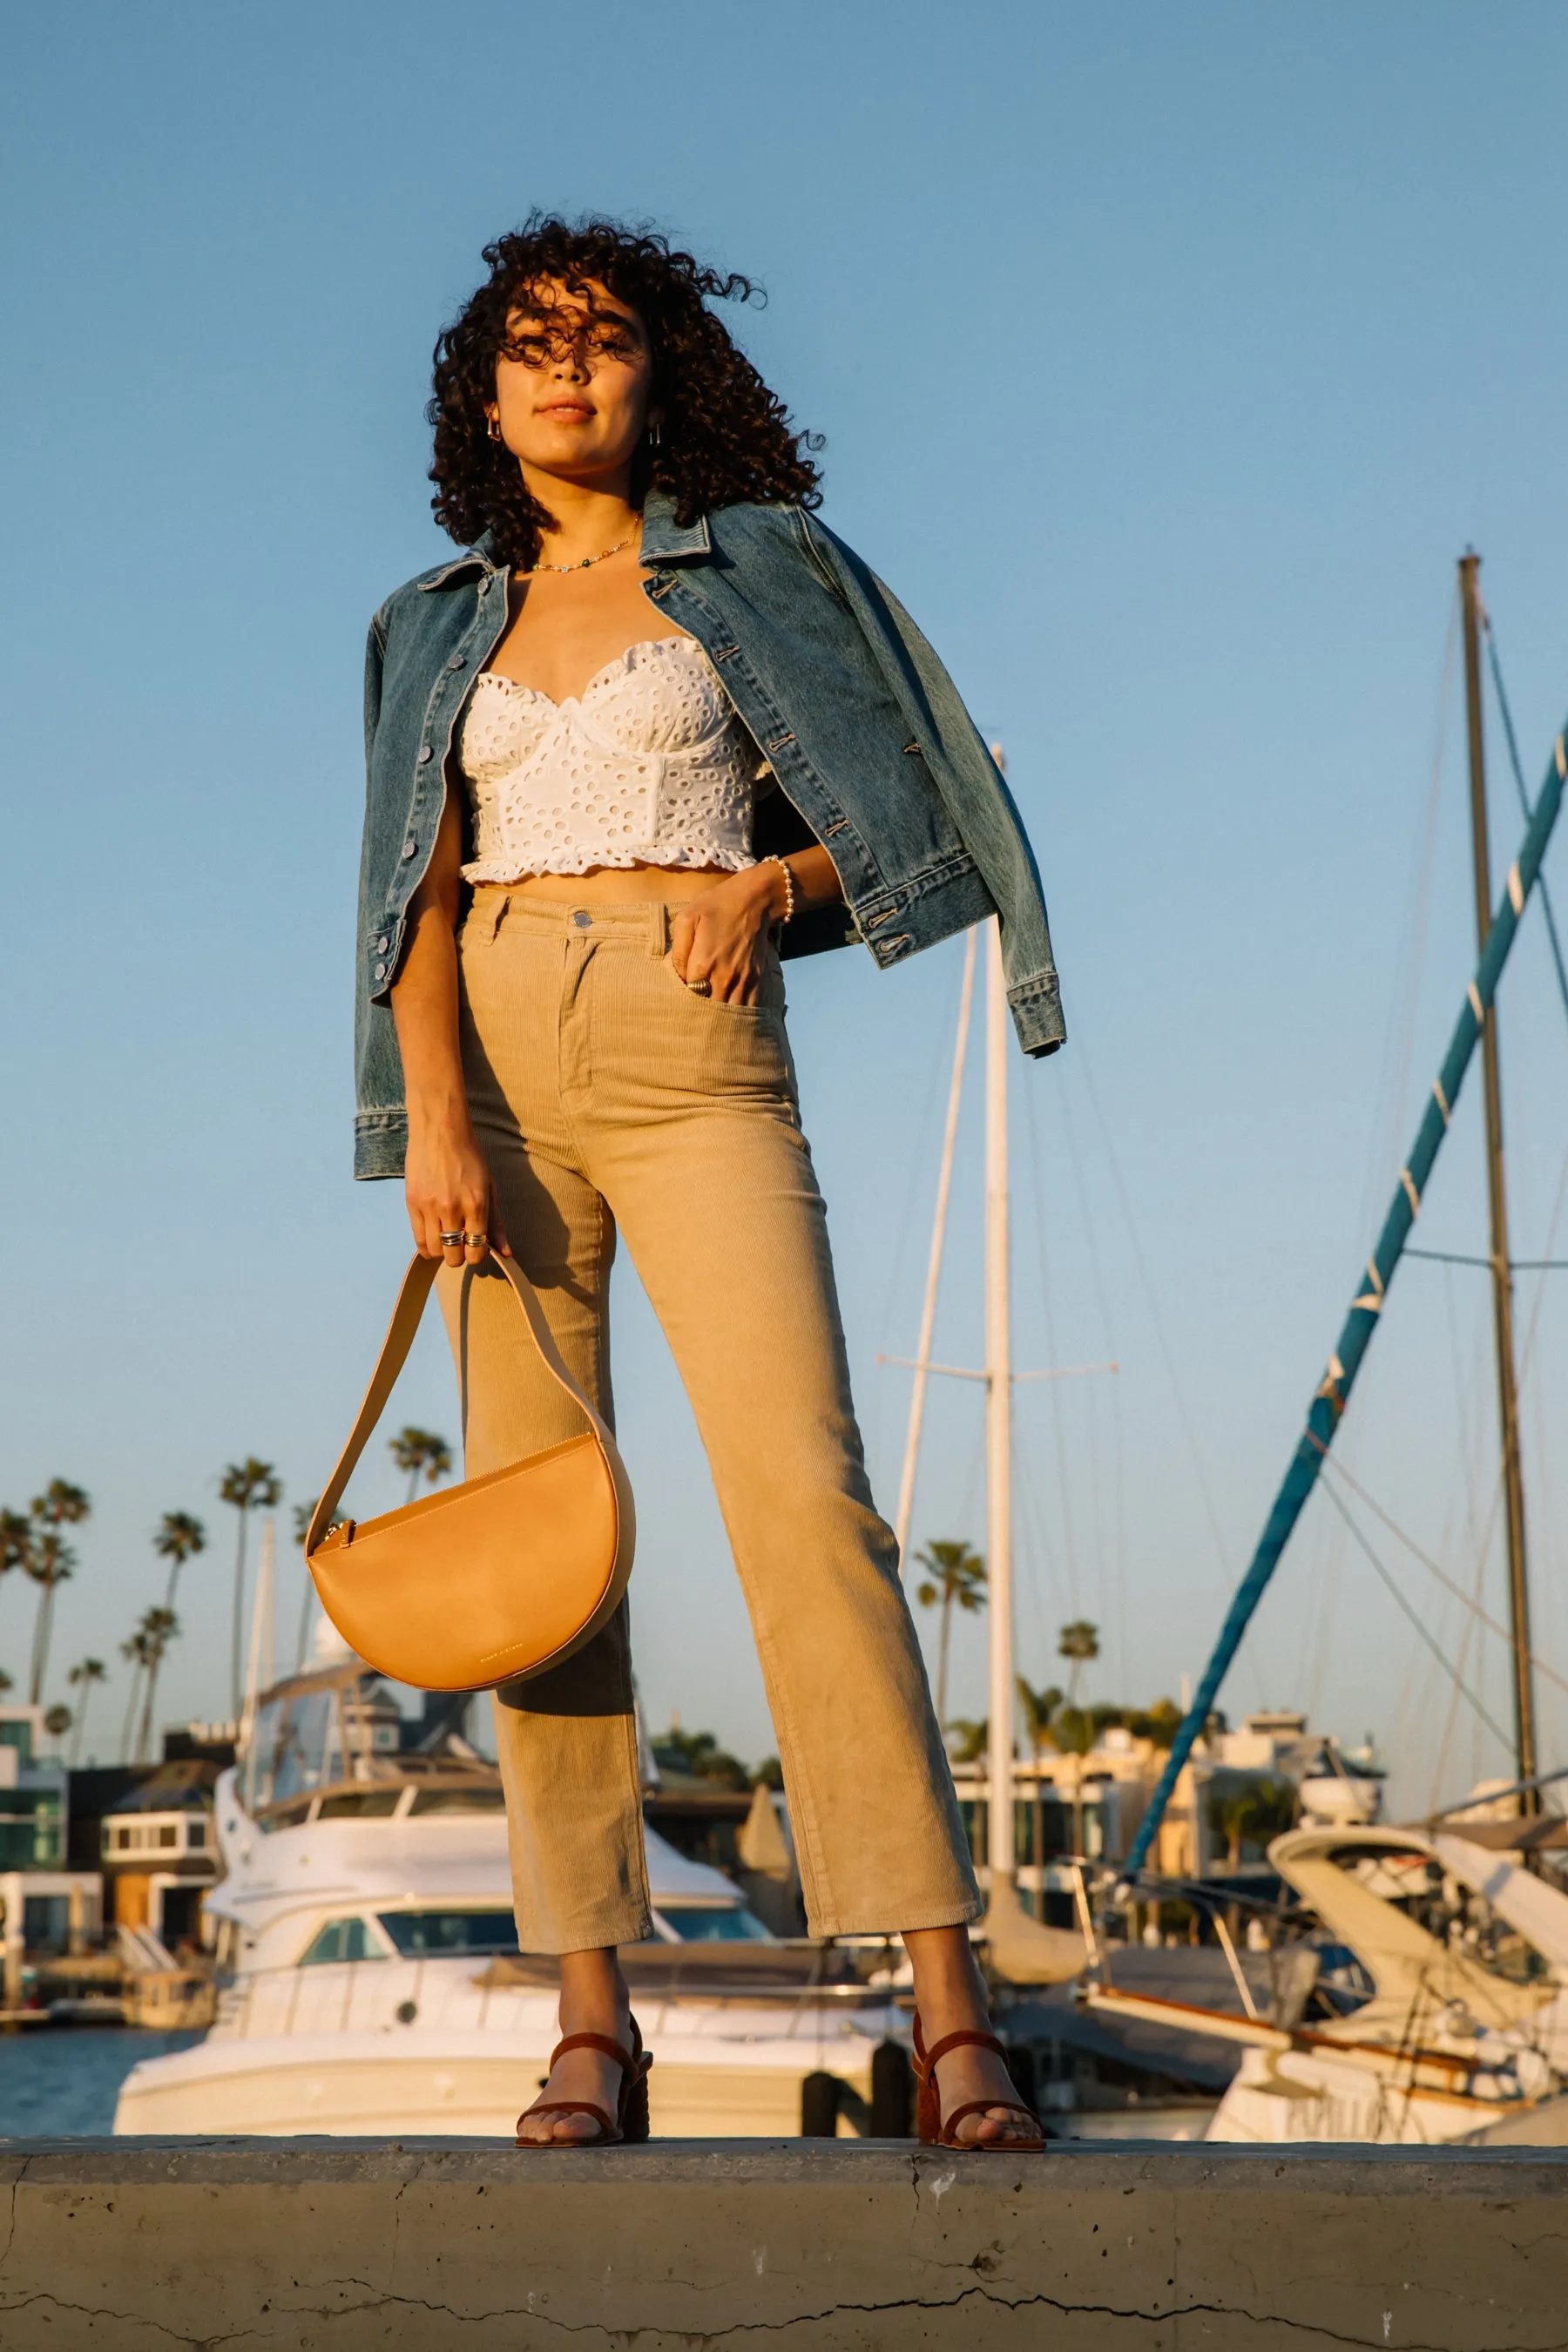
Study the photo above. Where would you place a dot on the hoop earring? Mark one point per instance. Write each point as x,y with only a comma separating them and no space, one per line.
495,428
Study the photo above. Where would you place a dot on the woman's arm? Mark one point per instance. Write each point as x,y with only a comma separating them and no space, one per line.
718,938
446,1184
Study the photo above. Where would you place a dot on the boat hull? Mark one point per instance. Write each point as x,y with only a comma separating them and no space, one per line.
1295,2095
461,2084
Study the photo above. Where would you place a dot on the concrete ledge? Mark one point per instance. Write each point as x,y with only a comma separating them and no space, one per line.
838,2246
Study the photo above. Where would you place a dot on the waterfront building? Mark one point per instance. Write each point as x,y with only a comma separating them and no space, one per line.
158,1852
33,1810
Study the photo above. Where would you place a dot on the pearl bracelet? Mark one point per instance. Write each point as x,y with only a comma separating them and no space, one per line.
788,915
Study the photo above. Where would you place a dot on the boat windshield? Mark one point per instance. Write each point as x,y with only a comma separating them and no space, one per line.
713,1923
296,1747
427,1935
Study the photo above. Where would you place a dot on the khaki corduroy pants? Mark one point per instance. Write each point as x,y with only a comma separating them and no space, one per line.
607,1097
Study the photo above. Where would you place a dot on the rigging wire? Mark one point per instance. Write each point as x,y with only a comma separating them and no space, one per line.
1150,1301
897,1264
1524,800
1472,1602
1117,1547
1399,1044
1069,1536
1411,1546
1414,1615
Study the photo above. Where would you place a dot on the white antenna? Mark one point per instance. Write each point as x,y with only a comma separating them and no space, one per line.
259,1673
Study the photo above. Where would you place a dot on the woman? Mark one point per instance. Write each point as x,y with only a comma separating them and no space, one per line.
653,729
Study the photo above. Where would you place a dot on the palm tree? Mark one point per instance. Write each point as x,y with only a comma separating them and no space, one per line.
178,1539
17,1533
62,1505
159,1628
954,1574
415,1449
50,1562
973,1740
1078,1642
1039,1706
135,1652
85,1673
1257,1812
1074,1733
249,1485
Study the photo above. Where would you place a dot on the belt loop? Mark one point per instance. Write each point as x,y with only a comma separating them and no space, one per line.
658,928
499,900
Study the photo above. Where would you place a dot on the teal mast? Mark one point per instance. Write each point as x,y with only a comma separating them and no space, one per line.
1333,1392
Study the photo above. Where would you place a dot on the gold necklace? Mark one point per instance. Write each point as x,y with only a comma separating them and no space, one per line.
583,561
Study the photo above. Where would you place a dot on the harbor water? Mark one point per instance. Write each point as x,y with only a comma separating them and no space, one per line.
59,2083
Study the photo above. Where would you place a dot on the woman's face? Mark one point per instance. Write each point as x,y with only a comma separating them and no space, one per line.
573,401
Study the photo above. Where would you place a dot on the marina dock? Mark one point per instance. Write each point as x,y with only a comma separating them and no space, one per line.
845,2246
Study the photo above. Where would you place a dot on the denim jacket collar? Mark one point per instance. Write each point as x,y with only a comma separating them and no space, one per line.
664,541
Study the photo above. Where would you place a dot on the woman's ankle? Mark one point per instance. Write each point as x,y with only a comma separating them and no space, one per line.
594,1996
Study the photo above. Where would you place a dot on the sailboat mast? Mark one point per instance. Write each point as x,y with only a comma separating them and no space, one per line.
998,1419
1497,1197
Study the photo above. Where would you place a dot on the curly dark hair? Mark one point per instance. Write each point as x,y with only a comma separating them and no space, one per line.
725,439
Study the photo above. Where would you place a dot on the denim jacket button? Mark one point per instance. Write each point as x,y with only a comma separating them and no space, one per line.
383,943
410,849
381,971
425,754
456,661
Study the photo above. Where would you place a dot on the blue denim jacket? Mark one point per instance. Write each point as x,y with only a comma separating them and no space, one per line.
874,753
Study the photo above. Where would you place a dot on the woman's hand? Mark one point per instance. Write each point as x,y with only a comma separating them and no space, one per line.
446,1181
449,1190
718,942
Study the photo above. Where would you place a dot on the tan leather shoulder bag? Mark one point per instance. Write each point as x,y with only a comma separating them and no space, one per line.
492,1580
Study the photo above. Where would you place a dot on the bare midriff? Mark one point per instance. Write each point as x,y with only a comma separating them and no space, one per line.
616,884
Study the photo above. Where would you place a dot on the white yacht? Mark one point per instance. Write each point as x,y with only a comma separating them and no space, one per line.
1440,1982
372,1982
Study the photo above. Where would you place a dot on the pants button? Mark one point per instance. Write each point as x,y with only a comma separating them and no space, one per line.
582,917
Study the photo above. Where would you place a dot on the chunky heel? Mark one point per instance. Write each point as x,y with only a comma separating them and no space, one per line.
634,2105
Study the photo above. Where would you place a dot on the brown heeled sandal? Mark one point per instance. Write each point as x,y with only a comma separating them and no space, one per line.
629,2121
936,2130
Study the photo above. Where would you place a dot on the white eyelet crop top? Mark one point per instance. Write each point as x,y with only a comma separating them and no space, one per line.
648,765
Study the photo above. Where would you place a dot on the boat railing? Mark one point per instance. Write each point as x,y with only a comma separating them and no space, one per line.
264,2003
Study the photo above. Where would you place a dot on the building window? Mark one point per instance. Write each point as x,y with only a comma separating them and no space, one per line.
169,1833
196,1832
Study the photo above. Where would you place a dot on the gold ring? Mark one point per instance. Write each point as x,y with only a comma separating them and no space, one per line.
701,987
472,1240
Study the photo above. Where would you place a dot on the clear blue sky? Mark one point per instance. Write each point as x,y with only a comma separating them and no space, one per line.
1167,360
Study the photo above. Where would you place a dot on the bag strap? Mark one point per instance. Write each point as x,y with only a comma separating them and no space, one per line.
406,1317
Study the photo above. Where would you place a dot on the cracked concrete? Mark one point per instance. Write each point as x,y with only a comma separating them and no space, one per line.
809,2246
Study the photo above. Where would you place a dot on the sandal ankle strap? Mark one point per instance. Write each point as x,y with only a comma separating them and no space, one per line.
599,2042
967,2037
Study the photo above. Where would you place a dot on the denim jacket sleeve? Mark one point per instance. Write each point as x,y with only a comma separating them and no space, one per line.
969,782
